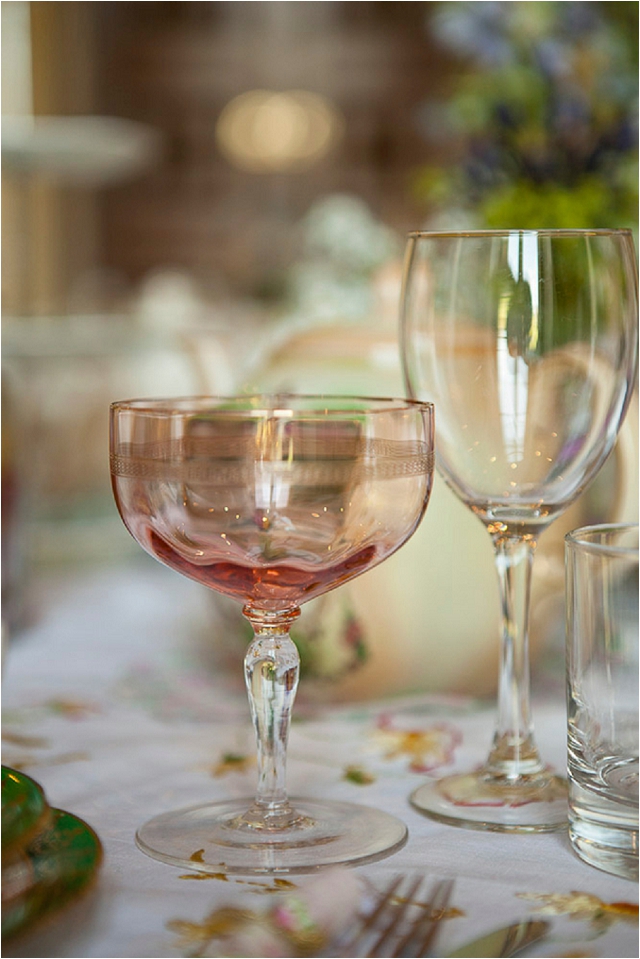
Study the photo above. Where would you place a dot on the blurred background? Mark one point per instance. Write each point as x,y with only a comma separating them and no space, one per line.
212,197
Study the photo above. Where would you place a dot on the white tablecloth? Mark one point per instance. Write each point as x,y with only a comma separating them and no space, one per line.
113,704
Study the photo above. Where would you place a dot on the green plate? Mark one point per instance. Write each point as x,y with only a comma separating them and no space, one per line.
25,811
58,863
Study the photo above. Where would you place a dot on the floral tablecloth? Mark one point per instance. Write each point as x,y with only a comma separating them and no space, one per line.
113,702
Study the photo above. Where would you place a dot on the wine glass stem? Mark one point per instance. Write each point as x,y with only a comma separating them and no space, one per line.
514,752
271,668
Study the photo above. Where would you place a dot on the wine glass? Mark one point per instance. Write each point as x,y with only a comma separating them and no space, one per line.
272,500
526,342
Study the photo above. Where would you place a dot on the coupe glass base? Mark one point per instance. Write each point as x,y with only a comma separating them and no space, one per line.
477,801
212,838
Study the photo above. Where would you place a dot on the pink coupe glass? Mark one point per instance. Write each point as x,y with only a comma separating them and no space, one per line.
272,500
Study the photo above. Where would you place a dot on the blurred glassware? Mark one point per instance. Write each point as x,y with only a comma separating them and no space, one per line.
80,150
602,696
53,168
63,371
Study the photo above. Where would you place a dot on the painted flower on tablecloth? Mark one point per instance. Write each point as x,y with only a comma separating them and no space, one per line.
72,708
233,763
427,748
582,905
358,775
299,923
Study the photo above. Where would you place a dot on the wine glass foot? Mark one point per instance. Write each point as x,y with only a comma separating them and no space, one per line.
212,838
477,801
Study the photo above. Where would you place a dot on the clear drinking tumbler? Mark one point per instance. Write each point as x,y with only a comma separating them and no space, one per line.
602,696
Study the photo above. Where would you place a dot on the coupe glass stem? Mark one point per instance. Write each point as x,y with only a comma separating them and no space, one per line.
271,669
514,753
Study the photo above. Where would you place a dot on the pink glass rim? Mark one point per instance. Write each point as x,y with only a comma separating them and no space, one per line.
256,404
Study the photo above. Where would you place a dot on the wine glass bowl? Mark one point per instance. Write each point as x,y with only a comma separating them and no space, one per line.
536,439
526,341
272,500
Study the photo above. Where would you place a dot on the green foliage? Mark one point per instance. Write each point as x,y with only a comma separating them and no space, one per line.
544,112
527,206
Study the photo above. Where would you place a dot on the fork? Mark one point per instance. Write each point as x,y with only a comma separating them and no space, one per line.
382,926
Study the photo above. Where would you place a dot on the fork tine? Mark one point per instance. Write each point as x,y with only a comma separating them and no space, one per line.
382,905
397,918
423,931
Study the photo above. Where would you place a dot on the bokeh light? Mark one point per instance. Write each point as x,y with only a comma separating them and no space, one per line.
263,131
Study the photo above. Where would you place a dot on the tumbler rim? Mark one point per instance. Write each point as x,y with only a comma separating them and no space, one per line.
584,539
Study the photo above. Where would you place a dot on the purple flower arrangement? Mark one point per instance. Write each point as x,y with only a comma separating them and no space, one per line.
544,114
